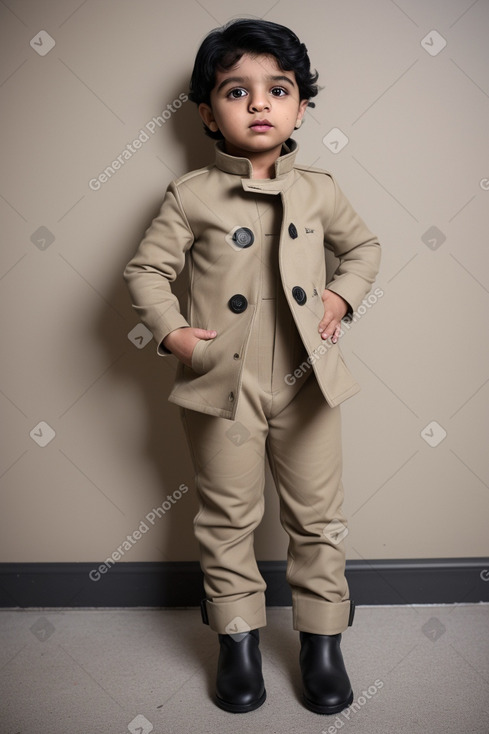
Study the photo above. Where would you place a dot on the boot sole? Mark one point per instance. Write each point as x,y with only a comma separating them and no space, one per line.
318,709
236,708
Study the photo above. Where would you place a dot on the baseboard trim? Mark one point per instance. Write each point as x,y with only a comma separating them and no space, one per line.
407,581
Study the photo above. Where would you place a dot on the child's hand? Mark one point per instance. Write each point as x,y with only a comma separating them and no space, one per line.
335,307
181,342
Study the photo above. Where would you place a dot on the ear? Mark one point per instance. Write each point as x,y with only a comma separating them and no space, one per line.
302,108
205,111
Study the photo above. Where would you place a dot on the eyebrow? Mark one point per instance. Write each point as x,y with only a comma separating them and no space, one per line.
245,79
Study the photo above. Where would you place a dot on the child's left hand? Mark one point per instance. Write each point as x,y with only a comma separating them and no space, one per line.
335,308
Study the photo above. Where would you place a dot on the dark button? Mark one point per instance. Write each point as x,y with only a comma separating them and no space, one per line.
299,295
238,303
293,231
243,237
231,397
236,356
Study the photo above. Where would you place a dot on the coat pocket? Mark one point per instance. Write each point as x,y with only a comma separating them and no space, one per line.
198,356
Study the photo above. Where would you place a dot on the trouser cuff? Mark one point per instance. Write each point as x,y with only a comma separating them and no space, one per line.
320,617
233,617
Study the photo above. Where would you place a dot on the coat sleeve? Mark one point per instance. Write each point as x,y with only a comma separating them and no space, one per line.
356,248
158,261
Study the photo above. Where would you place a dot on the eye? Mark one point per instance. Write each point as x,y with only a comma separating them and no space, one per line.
279,92
237,93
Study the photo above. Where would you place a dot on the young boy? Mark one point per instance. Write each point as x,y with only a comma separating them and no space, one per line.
260,372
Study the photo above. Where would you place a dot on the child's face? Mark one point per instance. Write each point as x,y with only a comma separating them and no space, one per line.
255,105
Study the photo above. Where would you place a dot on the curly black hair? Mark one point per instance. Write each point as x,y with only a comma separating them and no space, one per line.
223,47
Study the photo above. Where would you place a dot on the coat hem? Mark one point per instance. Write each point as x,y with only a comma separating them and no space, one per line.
209,410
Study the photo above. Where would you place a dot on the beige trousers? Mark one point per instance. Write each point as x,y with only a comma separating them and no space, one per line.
293,425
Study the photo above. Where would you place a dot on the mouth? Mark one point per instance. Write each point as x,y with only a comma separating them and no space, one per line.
261,126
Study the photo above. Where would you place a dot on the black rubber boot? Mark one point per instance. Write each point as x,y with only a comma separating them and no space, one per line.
240,686
326,686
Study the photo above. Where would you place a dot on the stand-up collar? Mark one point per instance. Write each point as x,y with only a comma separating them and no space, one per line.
242,166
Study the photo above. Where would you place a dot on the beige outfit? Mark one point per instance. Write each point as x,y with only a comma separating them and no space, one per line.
256,278
201,221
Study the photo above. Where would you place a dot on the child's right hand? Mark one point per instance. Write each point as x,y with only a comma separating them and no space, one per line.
181,342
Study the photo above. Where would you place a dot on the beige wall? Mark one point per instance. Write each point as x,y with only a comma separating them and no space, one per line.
416,159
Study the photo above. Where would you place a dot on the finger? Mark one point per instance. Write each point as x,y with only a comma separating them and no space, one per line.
332,330
336,335
327,326
204,333
325,322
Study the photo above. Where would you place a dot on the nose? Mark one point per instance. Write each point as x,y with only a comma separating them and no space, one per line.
259,102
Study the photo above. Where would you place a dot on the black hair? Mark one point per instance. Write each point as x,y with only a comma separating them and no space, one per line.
223,47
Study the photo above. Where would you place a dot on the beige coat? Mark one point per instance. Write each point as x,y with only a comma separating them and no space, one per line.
209,220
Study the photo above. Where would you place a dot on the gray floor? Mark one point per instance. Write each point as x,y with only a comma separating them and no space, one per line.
413,669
